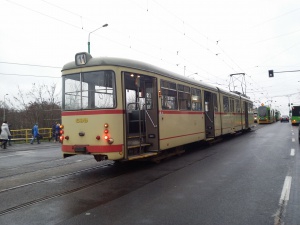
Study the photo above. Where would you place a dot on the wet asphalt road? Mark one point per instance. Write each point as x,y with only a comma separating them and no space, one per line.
249,179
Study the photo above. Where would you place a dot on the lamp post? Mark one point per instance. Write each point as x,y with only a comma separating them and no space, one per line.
105,25
4,107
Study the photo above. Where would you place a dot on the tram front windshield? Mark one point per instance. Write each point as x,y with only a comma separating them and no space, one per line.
262,111
296,111
89,90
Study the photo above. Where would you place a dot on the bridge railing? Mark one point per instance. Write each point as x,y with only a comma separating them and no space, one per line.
25,135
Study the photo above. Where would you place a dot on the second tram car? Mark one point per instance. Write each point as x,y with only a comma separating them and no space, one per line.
265,114
121,109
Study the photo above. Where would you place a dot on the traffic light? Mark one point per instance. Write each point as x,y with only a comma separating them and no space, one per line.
271,73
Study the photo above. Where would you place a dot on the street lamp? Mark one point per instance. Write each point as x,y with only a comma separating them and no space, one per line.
4,107
105,25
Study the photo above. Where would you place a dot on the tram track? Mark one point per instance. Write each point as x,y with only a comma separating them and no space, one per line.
33,202
46,167
56,195
55,177
119,172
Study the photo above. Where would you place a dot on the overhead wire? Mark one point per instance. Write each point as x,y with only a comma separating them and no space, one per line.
59,20
24,64
135,49
43,14
27,75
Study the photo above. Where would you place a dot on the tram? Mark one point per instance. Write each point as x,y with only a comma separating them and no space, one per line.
121,109
265,114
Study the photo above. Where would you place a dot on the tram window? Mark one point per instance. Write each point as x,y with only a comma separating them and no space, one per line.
225,104
169,95
168,101
250,108
215,100
231,105
98,89
196,99
149,96
89,90
237,106
131,99
72,93
184,97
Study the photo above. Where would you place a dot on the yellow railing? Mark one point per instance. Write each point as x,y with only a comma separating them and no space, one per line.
26,134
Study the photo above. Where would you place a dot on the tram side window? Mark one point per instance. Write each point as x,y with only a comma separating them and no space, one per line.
237,106
169,95
184,97
231,105
250,108
225,104
196,99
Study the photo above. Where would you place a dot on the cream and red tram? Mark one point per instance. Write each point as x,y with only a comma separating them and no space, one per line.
121,109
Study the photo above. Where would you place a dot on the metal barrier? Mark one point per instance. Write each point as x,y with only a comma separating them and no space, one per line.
26,134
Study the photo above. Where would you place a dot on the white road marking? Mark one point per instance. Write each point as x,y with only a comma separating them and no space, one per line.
292,152
285,194
293,139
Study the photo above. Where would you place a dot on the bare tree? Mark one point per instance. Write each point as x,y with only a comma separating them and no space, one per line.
41,104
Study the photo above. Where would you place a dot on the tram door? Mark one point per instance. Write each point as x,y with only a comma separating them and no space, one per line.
209,101
141,119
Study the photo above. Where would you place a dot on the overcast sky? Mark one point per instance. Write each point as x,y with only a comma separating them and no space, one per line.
206,40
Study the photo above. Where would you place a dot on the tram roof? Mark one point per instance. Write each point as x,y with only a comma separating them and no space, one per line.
135,64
